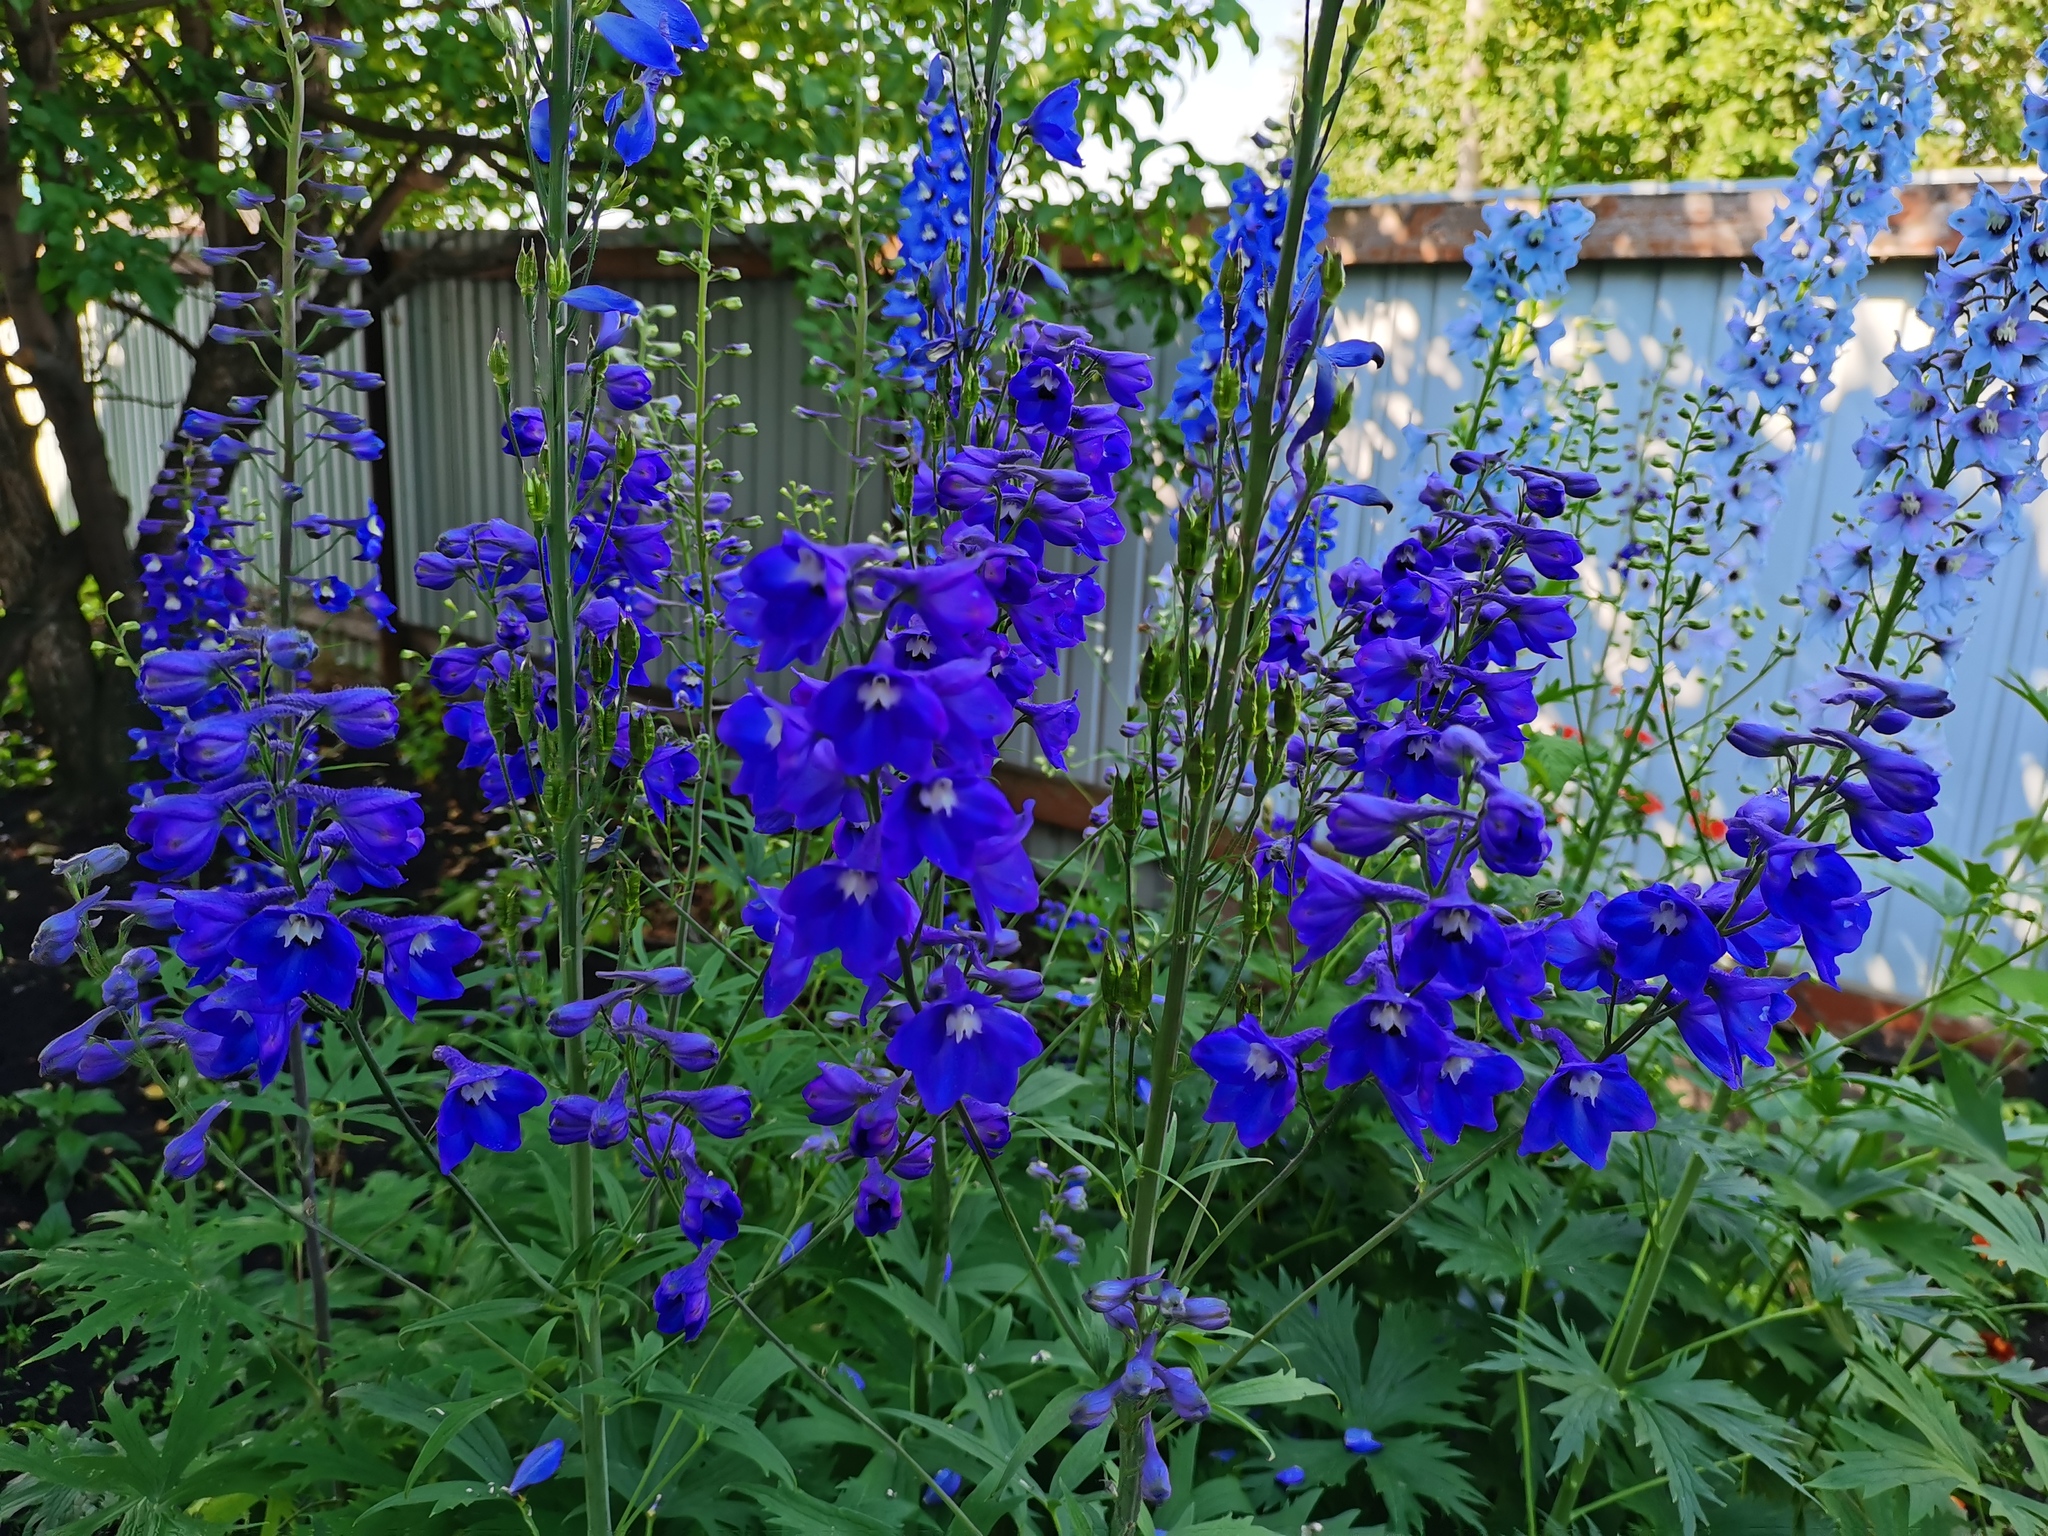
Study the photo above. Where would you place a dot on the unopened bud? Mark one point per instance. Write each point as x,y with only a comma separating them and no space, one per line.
1230,281
1194,542
501,363
527,271
1229,578
1227,391
1155,674
1286,708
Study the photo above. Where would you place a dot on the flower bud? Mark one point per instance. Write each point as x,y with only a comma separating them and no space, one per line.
1228,390
501,355
1194,543
1333,276
1228,581
527,272
1155,674
1286,708
1230,281
1127,805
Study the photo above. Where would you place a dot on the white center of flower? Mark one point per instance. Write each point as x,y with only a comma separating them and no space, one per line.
939,797
2007,331
1457,923
303,928
879,692
479,1091
1667,918
1454,1068
1418,747
1804,860
857,884
920,646
422,943
1261,1061
1389,1019
1909,504
810,570
963,1023
1585,1085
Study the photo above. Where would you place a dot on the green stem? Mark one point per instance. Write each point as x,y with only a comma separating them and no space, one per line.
1422,1202
1218,716
1621,1351
567,786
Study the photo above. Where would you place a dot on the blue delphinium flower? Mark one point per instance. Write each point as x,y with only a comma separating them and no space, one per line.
1257,1077
536,1466
185,1153
1583,1104
1051,123
965,1043
1662,931
481,1106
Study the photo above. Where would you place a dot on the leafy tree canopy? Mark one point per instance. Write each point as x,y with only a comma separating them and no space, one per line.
1561,91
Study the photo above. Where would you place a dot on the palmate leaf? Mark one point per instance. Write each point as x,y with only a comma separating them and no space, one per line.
2013,1228
1672,1408
1413,1379
1588,1400
1864,1284
1411,1470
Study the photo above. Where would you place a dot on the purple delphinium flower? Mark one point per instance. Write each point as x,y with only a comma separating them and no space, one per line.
789,600
1583,1104
1458,1090
1257,1077
1733,1019
1454,942
185,1153
420,957
682,1301
1388,1035
481,1107
878,1204
1662,931
301,950
966,1043
602,1122
1332,902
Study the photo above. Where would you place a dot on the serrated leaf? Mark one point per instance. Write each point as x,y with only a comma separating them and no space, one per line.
442,1497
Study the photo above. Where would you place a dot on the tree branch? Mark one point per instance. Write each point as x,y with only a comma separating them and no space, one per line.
403,133
143,317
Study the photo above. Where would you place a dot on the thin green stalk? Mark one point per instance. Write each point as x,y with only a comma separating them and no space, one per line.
1526,1419
566,782
1621,1352
1422,1202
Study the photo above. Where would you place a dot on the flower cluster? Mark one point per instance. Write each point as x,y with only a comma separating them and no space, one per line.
1147,1311
1794,312
1404,819
931,650
268,950
1951,457
1508,325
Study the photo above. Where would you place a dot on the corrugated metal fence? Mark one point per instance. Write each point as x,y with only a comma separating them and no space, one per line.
1403,290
